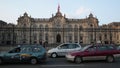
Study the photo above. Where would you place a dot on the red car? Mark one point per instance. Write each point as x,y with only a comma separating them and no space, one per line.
94,52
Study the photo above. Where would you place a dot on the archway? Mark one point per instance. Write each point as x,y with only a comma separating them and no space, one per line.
106,42
58,38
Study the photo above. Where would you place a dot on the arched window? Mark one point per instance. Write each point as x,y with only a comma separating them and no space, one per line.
81,39
24,25
40,36
76,28
91,25
91,38
41,27
76,33
34,26
46,37
111,37
69,27
58,38
70,37
100,37
9,36
80,27
35,36
46,28
105,36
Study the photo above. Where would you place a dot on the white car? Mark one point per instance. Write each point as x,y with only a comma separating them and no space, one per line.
63,49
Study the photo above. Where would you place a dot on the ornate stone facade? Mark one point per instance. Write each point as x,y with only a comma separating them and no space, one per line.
60,29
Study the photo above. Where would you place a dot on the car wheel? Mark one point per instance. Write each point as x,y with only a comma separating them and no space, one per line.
53,55
110,59
78,60
1,61
33,61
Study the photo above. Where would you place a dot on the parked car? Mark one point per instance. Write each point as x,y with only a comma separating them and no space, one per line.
118,47
94,52
25,53
62,49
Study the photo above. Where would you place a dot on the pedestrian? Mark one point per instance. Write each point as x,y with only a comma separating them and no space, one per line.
45,44
40,42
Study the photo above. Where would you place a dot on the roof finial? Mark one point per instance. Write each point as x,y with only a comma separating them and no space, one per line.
58,8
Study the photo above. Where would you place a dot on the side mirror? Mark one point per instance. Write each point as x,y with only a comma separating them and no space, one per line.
59,47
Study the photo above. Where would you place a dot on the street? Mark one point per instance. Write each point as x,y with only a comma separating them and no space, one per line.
62,63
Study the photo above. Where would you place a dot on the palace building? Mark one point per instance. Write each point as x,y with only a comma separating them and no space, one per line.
58,29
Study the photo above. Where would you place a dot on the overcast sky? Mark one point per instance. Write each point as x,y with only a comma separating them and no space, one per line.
106,11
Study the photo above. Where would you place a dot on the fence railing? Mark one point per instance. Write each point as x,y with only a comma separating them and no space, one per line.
8,35
60,29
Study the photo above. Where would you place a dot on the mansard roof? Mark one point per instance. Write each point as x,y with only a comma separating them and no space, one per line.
2,22
41,19
76,20
115,23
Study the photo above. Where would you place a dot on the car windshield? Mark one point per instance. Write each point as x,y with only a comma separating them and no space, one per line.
84,48
26,49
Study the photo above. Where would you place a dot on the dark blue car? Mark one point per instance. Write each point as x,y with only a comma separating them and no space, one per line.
26,53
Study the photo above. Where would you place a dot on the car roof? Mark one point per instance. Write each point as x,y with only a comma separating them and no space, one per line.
29,45
70,43
99,45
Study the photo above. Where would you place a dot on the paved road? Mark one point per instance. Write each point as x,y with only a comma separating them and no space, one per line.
62,63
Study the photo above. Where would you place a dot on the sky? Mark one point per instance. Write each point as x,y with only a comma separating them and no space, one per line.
106,11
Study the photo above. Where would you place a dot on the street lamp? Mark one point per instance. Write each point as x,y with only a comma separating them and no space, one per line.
30,33
13,35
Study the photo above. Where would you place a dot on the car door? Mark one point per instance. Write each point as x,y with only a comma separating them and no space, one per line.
102,52
90,53
62,50
12,56
73,47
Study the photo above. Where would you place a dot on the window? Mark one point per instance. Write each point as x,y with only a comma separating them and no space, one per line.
76,28
26,49
76,38
46,36
102,48
81,38
80,28
105,36
40,36
3,36
91,49
110,47
35,36
65,46
46,28
36,49
71,46
34,26
24,25
9,36
70,37
16,50
69,27
41,27
100,38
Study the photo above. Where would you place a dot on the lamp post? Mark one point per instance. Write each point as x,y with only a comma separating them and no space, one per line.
30,33
95,35
13,36
63,33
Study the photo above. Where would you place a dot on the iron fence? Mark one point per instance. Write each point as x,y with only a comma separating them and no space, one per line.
9,35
